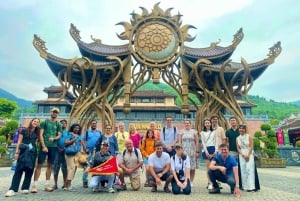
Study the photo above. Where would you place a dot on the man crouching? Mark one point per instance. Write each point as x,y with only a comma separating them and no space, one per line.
100,157
130,164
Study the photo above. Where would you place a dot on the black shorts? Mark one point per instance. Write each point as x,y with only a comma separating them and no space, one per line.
51,154
163,178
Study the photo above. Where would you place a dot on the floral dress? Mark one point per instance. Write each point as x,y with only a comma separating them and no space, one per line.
189,146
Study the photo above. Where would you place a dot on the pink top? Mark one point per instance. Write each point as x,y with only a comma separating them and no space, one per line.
136,139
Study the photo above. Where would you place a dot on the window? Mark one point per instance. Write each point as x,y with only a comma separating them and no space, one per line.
146,100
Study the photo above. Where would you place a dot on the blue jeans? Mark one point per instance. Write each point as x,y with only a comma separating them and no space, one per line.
85,175
96,180
215,175
60,162
176,189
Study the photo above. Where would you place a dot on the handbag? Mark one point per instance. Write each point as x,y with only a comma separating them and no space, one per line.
72,149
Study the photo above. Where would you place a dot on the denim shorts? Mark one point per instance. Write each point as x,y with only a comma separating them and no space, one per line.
210,149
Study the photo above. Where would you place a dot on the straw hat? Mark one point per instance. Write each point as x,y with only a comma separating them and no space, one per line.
80,159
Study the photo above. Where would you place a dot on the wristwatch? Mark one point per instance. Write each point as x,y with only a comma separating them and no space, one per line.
237,186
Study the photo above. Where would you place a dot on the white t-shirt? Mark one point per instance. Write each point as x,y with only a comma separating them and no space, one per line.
158,163
178,164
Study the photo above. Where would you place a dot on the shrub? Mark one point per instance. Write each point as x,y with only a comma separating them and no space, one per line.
298,143
269,141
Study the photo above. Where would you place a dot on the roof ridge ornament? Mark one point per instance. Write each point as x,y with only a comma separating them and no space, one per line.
274,51
238,37
39,44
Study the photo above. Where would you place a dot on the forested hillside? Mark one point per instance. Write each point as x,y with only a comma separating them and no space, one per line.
275,110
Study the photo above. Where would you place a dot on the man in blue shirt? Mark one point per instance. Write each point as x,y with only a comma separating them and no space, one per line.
168,137
89,141
223,167
60,160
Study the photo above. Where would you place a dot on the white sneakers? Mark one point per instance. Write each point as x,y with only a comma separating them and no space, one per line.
210,187
110,190
10,193
25,191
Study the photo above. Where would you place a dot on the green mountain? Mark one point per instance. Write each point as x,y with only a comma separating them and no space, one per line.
20,102
275,110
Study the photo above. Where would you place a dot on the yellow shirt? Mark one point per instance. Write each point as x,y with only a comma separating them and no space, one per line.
121,138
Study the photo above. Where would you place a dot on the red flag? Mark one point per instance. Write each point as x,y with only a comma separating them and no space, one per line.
106,168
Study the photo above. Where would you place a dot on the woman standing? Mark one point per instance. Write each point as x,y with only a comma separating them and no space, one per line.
188,138
73,138
147,148
208,137
25,155
134,136
180,166
249,177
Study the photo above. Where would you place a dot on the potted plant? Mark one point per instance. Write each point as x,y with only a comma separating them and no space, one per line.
265,145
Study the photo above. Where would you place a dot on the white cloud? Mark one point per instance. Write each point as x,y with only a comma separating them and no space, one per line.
264,24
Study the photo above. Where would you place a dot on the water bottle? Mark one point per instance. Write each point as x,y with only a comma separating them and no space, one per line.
13,165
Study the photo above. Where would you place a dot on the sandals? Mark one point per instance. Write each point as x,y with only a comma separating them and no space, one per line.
166,189
154,189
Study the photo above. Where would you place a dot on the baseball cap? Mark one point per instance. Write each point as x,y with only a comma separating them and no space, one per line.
105,143
55,109
178,145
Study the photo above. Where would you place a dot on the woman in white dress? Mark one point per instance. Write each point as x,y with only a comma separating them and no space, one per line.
249,178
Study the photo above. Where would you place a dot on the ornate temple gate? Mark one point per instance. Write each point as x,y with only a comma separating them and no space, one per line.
156,50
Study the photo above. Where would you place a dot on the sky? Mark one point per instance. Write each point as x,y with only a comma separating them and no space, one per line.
25,74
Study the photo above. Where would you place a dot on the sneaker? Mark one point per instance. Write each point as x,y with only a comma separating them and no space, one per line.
10,193
214,191
191,184
25,191
54,187
210,187
33,189
48,188
110,190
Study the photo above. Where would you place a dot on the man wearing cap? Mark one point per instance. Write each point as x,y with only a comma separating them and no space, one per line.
60,160
99,158
159,168
50,132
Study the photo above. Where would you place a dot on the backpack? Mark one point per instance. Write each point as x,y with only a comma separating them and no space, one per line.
135,152
164,132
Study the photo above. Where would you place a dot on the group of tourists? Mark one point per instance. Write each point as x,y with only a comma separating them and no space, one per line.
170,156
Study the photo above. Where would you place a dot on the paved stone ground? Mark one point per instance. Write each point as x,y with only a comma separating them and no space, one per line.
276,184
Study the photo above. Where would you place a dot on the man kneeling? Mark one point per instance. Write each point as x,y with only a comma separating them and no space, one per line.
159,168
130,165
223,167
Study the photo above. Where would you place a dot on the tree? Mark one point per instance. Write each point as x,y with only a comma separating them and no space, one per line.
7,108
